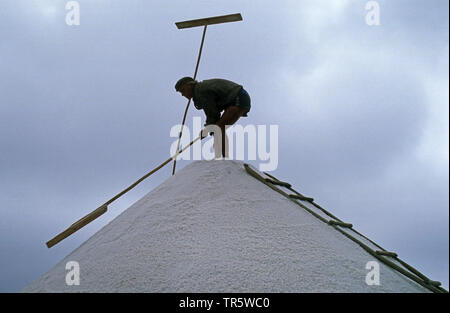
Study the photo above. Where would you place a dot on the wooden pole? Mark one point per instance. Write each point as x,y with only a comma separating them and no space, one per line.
189,102
103,208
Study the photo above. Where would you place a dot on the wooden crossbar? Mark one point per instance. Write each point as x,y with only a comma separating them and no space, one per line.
209,21
386,253
299,197
278,182
342,224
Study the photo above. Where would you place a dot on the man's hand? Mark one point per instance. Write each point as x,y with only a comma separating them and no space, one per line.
203,136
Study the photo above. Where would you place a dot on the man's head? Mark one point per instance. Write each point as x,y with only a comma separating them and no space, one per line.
185,86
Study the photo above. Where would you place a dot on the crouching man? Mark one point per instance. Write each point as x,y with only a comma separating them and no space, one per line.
214,96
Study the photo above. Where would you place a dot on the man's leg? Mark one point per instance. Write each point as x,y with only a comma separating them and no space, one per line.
229,117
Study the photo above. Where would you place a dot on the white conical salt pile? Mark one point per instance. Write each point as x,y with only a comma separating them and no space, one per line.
214,228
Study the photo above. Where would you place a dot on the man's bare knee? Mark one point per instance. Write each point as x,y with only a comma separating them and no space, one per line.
231,115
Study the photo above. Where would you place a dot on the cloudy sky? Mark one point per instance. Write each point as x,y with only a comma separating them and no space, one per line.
362,113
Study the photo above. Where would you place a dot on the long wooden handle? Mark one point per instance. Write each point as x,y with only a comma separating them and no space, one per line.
103,208
189,102
77,225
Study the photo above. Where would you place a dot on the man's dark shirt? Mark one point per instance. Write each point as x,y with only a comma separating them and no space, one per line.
213,96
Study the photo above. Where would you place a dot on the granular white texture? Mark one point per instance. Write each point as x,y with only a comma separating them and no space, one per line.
214,228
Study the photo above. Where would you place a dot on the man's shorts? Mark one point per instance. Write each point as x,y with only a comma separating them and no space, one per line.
243,101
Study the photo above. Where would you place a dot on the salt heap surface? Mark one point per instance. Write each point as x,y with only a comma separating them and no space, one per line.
214,228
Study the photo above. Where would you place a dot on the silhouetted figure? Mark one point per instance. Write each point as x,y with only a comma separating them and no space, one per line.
214,96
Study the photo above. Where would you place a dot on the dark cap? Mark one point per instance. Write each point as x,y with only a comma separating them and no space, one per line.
183,81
